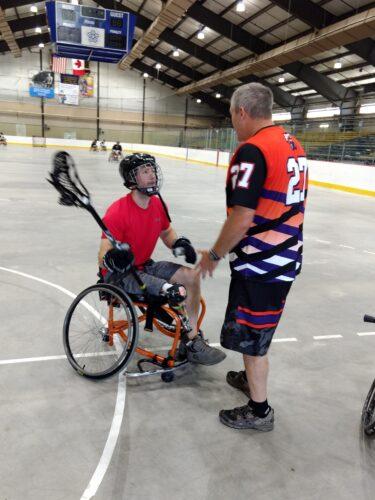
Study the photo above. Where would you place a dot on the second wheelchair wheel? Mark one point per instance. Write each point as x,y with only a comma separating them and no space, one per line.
100,331
368,412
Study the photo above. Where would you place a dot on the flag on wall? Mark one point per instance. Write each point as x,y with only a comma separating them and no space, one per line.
78,66
58,64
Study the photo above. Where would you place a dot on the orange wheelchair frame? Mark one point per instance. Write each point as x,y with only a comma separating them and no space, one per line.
111,334
166,363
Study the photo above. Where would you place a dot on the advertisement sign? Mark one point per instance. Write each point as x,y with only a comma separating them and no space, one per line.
68,90
42,84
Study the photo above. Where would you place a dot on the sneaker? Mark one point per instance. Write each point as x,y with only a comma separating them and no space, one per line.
199,351
244,418
238,380
181,353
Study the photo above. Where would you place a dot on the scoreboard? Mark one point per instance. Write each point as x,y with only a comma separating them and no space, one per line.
91,33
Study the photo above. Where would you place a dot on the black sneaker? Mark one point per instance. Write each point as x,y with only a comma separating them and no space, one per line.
182,349
238,380
243,417
199,351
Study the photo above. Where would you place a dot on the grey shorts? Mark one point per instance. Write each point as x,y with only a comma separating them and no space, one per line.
154,275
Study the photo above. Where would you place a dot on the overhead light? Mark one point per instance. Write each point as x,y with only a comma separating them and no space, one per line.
281,117
176,53
367,109
158,66
217,95
240,6
281,79
34,8
199,101
324,125
337,65
38,30
200,35
145,75
41,45
323,113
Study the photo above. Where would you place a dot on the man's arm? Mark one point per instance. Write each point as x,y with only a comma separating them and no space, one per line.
168,236
105,245
232,232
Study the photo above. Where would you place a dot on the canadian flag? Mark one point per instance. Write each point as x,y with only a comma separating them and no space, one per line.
78,66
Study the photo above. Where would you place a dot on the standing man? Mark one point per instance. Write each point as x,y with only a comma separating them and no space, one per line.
266,191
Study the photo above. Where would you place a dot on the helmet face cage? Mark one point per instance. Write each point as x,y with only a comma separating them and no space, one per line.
131,181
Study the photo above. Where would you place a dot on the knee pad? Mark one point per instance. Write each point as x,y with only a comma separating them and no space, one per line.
175,294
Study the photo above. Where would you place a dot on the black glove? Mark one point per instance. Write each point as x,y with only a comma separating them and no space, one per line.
119,261
183,246
176,294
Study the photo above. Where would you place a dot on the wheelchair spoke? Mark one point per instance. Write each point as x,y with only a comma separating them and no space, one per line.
91,347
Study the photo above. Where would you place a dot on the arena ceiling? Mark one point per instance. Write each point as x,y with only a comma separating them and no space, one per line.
294,46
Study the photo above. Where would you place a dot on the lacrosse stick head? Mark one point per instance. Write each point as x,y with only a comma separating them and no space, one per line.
65,179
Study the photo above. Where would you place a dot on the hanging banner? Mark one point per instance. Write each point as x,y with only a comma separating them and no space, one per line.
68,90
86,86
42,84
78,67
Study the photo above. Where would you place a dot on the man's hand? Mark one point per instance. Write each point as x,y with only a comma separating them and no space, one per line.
183,246
206,264
119,261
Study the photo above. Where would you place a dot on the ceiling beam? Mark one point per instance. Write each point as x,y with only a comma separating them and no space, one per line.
224,27
281,97
216,104
28,23
171,13
354,28
317,17
8,35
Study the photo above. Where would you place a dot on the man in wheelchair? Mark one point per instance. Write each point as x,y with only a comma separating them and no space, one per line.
3,140
139,219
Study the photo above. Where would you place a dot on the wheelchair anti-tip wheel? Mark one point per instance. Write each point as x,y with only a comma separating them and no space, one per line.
167,376
100,331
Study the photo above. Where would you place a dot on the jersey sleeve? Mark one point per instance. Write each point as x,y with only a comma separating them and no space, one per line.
247,177
164,217
113,222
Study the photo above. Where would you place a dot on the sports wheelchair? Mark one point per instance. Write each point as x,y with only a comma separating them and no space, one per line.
115,156
101,332
368,411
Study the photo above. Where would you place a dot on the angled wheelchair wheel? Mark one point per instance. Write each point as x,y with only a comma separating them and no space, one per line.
368,412
100,331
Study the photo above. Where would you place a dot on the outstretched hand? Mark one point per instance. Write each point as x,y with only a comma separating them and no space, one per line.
206,265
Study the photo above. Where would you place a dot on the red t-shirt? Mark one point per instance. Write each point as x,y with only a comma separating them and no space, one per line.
137,226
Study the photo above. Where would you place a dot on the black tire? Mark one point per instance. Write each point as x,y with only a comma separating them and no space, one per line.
167,377
85,332
368,412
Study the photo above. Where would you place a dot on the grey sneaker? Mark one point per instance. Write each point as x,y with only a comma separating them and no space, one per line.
182,349
199,351
238,380
244,418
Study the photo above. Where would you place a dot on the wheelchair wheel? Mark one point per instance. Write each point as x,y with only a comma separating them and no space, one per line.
100,331
368,412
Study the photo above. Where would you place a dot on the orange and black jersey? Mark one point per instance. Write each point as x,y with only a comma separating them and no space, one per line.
268,173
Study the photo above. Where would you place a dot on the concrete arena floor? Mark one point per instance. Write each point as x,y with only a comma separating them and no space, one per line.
171,444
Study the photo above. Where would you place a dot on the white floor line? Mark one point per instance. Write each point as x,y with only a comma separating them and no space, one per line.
365,334
287,339
366,251
323,337
110,445
114,432
323,241
347,246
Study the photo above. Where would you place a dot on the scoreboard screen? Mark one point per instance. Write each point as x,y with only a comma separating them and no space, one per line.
90,33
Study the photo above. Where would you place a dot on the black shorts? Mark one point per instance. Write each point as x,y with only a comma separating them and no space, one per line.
253,313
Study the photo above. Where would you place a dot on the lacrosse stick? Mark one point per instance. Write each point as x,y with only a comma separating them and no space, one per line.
65,179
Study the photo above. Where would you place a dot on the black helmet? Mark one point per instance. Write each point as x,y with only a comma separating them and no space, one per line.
129,167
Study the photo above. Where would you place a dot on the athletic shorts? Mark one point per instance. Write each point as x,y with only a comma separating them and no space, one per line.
253,313
154,275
